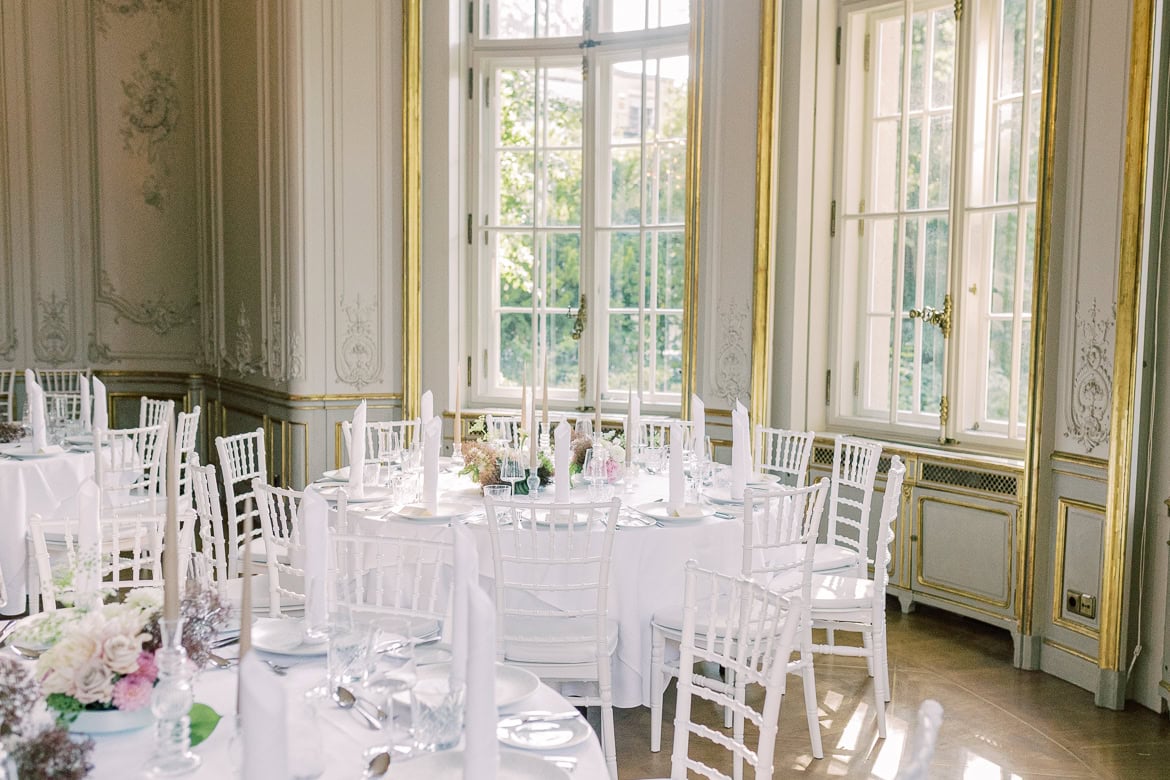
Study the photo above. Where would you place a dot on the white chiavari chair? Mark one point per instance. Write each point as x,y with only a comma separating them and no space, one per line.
284,544
780,528
551,567
186,438
209,526
7,394
61,380
242,459
783,454
152,410
758,636
923,741
63,406
655,432
128,468
503,428
855,468
378,433
845,602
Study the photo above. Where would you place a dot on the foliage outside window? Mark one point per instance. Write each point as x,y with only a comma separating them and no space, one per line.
577,114
938,153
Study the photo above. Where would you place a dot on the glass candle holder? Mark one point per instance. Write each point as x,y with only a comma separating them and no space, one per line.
171,704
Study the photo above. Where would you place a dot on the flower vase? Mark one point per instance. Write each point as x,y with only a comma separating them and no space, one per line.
110,721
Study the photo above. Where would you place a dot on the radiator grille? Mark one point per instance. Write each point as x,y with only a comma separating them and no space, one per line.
1001,484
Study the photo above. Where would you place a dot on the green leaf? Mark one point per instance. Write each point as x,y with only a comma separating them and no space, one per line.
203,722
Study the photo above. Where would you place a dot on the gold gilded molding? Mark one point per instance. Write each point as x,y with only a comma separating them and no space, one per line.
1062,506
411,205
694,180
1026,571
1080,460
921,580
1125,354
763,273
1070,650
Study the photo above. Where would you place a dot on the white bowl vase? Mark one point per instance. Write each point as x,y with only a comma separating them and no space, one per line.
111,721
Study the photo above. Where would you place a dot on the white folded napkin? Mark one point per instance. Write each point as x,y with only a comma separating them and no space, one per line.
481,749
426,407
357,452
100,411
739,405
678,477
316,560
86,409
432,441
633,426
87,577
741,453
699,425
35,398
466,577
561,452
263,717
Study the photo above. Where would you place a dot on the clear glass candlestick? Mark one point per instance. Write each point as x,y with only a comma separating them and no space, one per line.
171,704
533,482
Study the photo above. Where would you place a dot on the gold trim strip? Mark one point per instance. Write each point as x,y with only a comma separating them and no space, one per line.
1125,352
1080,475
763,274
411,205
918,576
1079,460
694,180
1070,650
1062,506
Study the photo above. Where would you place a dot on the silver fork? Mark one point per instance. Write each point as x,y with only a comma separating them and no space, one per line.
276,668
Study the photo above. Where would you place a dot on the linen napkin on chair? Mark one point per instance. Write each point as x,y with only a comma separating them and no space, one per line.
561,435
100,411
87,577
741,455
263,716
699,426
678,491
86,409
316,560
466,576
426,407
432,441
357,452
35,398
481,749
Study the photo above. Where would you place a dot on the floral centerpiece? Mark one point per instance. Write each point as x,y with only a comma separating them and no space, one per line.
481,460
30,737
103,658
10,432
609,442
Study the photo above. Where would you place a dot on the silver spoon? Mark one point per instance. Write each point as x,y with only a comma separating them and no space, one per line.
218,661
25,653
346,701
276,668
379,765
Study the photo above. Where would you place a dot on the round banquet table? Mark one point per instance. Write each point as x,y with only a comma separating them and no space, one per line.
646,572
343,736
32,486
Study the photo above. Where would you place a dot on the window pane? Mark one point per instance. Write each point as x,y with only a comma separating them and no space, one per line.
876,361
1034,147
630,15
1029,255
1003,264
914,164
888,42
626,178
1025,361
562,356
999,370
938,181
942,86
669,344
514,253
882,276
932,369
515,347
670,121
564,114
918,64
1008,139
531,18
887,156
910,265
671,183
626,103
562,186
670,269
563,270
1039,23
1013,50
906,363
515,185
623,351
625,285
515,100
936,262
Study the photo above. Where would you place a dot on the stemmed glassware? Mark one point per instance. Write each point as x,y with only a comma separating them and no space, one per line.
511,468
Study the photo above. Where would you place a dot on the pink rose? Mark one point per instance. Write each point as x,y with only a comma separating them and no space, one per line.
132,692
147,666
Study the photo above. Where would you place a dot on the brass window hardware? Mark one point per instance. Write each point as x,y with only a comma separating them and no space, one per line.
939,318
581,318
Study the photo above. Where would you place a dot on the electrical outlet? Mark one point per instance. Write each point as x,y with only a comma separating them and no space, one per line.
1082,604
1072,602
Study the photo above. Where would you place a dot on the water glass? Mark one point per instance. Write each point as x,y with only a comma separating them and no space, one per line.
436,713
348,652
390,659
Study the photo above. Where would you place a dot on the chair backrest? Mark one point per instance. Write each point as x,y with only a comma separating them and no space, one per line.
559,553
855,467
923,741
241,459
128,468
152,410
210,521
503,427
385,573
891,505
186,437
378,434
284,541
7,394
760,632
63,406
654,432
784,454
780,528
60,380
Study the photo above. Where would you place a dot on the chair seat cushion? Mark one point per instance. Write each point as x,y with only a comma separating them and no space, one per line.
671,618
554,652
837,591
830,557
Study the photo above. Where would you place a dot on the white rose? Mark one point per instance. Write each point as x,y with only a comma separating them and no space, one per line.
68,655
94,683
121,653
56,682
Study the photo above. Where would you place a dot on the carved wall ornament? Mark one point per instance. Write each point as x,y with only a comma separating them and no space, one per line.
241,359
104,10
1092,388
99,352
151,113
359,349
275,340
732,368
160,314
296,358
53,342
9,352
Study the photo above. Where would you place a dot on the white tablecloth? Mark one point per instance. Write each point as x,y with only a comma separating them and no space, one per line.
35,486
343,737
646,573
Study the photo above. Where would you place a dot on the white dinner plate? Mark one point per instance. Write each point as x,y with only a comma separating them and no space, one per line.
39,632
532,731
688,514
444,512
79,439
563,518
763,480
25,451
449,763
335,475
721,494
370,493
432,653
513,684
285,637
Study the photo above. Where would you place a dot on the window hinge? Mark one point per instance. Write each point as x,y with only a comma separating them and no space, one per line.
485,362
470,83
469,370
958,10
487,91
856,378
944,411
838,45
828,386
833,219
470,17
487,20
469,227
485,233
865,54
861,222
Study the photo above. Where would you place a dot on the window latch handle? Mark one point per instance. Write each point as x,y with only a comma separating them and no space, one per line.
582,317
940,318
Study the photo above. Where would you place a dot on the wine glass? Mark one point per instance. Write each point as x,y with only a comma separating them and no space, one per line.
511,468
